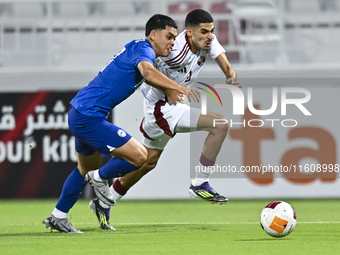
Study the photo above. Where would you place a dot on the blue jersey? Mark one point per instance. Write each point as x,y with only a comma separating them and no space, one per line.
117,81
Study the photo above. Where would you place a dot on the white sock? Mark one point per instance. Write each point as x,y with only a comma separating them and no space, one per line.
115,194
105,206
200,177
59,214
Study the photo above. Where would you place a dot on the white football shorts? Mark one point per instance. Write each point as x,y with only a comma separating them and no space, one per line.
162,121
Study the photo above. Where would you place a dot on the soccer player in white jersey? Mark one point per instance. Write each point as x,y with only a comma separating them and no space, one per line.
182,65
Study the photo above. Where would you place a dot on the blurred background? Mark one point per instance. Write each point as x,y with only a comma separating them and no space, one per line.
50,49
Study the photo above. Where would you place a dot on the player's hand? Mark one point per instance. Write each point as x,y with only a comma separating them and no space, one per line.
185,91
232,80
173,96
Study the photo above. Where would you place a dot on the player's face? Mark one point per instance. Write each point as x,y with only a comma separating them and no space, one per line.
164,40
201,36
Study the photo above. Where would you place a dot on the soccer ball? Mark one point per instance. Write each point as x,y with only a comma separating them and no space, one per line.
278,219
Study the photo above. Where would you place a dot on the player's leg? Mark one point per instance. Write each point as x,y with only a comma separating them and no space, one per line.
95,134
121,186
200,187
187,120
88,159
133,152
73,186
86,164
126,158
158,127
128,155
102,210
132,178
217,134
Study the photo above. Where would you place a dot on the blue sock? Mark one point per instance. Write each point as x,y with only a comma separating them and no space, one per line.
73,186
116,167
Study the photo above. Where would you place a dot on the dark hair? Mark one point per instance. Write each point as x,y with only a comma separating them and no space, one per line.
195,17
158,22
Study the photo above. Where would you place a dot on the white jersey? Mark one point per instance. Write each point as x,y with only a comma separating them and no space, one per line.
181,65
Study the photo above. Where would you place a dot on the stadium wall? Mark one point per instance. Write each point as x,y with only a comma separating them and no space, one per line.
39,156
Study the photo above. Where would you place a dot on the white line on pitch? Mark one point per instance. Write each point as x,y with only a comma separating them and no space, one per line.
211,223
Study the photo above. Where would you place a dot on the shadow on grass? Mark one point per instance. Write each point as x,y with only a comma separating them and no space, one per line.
121,230
54,233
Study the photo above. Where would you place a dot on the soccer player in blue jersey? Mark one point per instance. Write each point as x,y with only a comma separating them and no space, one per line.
95,137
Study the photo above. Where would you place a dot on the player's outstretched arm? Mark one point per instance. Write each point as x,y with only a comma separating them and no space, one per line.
173,96
228,71
156,79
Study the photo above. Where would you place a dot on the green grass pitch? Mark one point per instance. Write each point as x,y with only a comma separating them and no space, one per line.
170,227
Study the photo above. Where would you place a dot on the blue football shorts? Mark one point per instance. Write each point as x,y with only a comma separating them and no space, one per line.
95,134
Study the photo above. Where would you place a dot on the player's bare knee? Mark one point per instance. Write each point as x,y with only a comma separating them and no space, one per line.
146,167
140,156
150,164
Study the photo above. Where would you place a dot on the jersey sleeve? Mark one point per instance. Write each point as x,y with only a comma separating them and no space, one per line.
215,48
144,53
